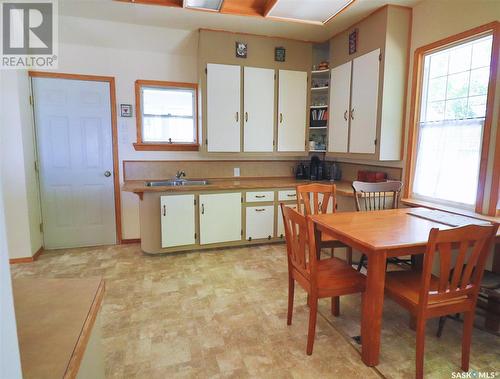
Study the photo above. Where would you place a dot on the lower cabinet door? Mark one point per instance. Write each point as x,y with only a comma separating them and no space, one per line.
220,217
177,220
280,231
260,222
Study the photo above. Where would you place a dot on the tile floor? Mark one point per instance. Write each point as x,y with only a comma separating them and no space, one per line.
222,314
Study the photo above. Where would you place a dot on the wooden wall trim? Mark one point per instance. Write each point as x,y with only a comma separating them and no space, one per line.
128,241
27,259
416,98
140,145
114,132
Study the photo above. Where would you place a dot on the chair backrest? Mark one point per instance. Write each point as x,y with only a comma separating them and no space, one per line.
300,242
474,242
376,196
308,192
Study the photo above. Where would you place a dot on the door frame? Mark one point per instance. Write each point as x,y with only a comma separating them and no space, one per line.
114,133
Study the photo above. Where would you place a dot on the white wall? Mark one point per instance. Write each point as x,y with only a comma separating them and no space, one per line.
18,180
129,52
10,364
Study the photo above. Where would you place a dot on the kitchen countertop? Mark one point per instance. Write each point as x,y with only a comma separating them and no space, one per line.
137,186
54,322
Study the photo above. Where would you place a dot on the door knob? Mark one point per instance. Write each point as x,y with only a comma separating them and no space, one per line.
107,174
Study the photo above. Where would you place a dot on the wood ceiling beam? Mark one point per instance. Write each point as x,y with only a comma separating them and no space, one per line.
269,6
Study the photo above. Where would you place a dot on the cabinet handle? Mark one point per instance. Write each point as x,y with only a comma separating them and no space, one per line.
260,196
281,118
352,114
345,115
164,210
237,116
202,209
246,116
291,195
260,210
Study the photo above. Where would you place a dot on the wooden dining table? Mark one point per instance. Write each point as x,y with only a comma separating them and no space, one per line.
379,235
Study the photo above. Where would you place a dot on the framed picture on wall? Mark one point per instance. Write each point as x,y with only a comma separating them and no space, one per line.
241,50
125,110
353,41
279,54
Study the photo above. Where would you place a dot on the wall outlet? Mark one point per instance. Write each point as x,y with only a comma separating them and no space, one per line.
236,171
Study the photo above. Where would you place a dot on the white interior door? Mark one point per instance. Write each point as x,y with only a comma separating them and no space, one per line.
73,123
258,98
364,103
340,93
177,220
292,112
223,108
220,217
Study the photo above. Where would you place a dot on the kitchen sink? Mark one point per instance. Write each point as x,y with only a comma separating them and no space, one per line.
176,182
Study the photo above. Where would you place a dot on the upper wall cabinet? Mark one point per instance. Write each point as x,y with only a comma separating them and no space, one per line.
367,89
258,100
223,108
292,114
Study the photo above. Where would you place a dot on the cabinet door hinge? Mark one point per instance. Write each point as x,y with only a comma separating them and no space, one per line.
274,142
380,57
241,231
206,70
206,141
31,100
195,235
36,166
194,201
274,76
41,228
375,142
242,199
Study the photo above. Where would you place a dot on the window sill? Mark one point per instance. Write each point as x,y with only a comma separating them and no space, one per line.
166,147
446,208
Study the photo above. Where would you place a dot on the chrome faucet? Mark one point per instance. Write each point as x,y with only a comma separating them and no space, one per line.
180,174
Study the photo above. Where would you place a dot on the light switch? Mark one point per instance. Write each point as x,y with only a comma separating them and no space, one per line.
236,171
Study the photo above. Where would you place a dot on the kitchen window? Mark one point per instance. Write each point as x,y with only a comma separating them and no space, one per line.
451,121
166,116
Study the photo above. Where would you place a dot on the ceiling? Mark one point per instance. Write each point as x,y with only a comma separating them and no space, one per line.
176,17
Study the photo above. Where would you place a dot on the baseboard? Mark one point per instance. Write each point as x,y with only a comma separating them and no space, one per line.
131,240
27,259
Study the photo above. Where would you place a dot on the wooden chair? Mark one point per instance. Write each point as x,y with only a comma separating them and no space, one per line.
319,278
427,296
377,196
310,203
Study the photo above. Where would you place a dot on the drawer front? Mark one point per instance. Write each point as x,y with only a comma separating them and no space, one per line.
252,197
287,195
259,222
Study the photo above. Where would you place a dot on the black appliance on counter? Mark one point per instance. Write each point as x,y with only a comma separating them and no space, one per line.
315,169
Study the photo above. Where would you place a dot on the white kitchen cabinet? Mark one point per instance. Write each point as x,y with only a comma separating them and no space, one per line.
292,112
287,195
223,108
258,120
220,217
280,230
364,103
259,222
177,220
340,89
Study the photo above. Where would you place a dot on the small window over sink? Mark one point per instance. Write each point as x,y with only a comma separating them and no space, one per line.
166,115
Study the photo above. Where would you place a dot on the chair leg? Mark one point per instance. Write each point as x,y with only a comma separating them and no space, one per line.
419,359
348,255
361,261
336,306
313,312
442,321
466,339
291,292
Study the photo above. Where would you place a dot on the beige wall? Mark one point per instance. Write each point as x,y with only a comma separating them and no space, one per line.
437,19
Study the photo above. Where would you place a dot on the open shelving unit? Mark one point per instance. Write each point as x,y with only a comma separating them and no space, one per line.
320,99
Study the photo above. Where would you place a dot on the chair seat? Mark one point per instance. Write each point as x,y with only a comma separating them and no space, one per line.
336,278
404,287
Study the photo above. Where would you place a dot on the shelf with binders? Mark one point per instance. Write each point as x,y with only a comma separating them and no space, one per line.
318,118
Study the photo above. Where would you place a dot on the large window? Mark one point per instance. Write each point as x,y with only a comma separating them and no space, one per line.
451,123
166,116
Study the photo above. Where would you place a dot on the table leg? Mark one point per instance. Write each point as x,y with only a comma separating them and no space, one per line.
371,323
317,238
